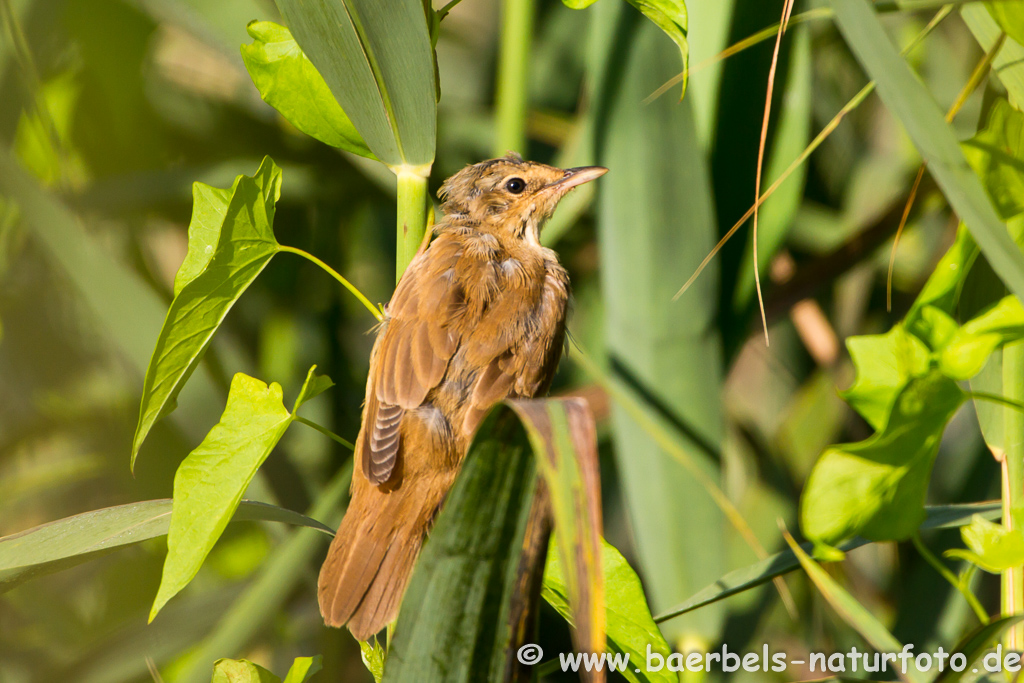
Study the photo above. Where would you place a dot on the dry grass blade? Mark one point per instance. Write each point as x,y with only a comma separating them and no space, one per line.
787,10
154,672
854,102
977,76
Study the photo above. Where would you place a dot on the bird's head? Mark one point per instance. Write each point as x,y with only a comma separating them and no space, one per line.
510,195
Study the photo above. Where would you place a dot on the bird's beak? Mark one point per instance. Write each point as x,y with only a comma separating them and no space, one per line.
577,176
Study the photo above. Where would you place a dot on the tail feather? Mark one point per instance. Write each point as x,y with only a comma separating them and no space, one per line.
371,558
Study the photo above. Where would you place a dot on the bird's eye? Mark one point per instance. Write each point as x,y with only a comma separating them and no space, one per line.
515,185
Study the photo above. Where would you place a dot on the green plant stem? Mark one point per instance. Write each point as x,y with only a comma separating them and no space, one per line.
326,432
376,312
962,587
443,12
412,216
1013,483
513,74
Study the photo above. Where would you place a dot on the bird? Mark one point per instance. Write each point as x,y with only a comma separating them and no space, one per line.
477,317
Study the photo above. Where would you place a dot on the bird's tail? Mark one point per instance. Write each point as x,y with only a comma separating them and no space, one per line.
369,563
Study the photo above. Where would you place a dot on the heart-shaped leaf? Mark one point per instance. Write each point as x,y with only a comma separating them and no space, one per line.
231,240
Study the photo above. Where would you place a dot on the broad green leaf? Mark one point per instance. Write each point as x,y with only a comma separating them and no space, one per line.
630,626
1008,65
876,488
759,573
209,207
564,439
241,671
996,153
454,621
66,542
377,60
667,353
908,99
991,546
313,386
975,643
210,482
578,4
210,284
289,82
851,611
670,16
884,363
490,540
373,656
303,669
1009,14
969,348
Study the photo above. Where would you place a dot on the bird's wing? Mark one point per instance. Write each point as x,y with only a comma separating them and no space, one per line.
525,363
410,356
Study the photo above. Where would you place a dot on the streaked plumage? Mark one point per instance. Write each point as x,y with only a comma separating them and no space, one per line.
478,316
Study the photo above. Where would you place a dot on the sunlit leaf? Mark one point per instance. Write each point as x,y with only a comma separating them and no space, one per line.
1009,14
628,618
377,60
991,546
969,348
671,17
289,82
210,482
209,209
303,669
373,656
241,671
876,488
210,284
884,363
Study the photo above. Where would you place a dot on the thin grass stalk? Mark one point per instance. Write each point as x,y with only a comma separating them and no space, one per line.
854,102
787,10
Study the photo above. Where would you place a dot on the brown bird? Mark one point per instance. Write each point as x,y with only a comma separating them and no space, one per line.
478,316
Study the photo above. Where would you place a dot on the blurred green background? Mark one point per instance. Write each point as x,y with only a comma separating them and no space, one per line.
110,109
